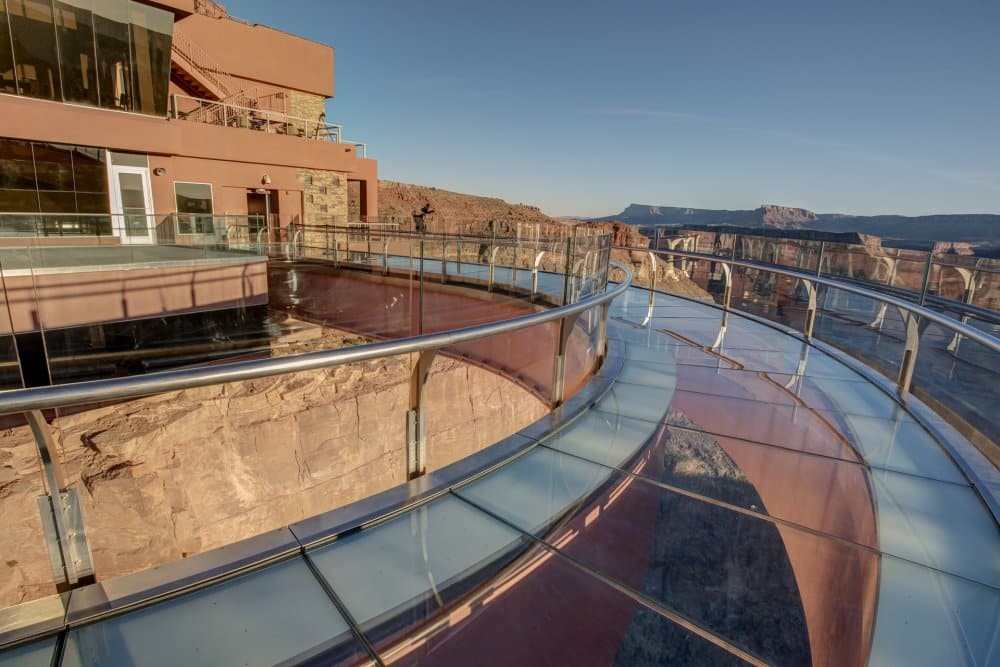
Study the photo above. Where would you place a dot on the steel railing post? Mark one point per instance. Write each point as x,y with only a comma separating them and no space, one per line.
652,288
602,332
534,274
416,416
909,360
494,249
927,276
807,326
727,288
68,547
444,260
420,291
566,326
568,269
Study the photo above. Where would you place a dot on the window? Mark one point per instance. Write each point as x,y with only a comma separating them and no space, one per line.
8,80
75,35
113,59
151,33
53,178
33,35
194,208
109,53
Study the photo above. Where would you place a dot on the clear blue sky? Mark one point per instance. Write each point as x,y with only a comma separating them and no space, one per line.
583,107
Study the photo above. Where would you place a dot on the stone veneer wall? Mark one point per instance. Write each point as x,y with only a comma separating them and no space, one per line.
164,477
324,192
324,195
306,105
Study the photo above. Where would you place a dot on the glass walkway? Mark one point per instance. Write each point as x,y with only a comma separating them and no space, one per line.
713,497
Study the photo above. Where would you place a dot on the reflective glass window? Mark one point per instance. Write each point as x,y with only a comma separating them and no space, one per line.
18,201
17,177
57,202
194,208
53,166
91,178
34,40
52,178
8,82
17,174
151,34
77,55
114,64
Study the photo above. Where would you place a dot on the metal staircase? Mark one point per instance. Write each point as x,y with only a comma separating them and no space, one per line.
197,69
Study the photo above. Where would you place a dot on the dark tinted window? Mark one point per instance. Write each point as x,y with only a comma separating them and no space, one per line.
34,38
114,64
112,53
8,83
18,174
151,34
18,201
75,30
52,178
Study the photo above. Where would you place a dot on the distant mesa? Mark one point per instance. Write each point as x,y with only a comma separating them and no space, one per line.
969,228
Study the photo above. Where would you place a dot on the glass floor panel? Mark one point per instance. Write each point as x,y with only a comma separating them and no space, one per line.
828,394
36,654
534,491
940,525
262,618
899,444
391,576
610,440
785,426
928,617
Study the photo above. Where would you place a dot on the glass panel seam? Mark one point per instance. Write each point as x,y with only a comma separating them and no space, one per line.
341,607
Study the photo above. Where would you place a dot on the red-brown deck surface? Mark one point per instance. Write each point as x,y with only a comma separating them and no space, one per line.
388,307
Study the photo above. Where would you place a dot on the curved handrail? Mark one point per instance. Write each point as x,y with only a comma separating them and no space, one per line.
981,337
112,389
979,312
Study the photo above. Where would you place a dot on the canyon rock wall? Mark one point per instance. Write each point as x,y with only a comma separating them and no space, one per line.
164,477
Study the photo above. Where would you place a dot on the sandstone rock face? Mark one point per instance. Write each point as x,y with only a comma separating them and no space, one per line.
164,477
398,201
24,560
772,215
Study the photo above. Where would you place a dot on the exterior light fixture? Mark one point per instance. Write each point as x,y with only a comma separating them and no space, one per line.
160,171
266,180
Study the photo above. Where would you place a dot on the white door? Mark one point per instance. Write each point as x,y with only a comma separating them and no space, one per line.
132,204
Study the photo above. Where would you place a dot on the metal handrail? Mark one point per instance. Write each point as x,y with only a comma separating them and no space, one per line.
330,131
981,337
112,389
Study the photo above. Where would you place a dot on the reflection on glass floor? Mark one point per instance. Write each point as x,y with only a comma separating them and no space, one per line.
760,504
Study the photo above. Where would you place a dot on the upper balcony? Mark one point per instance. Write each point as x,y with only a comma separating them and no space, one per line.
258,118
